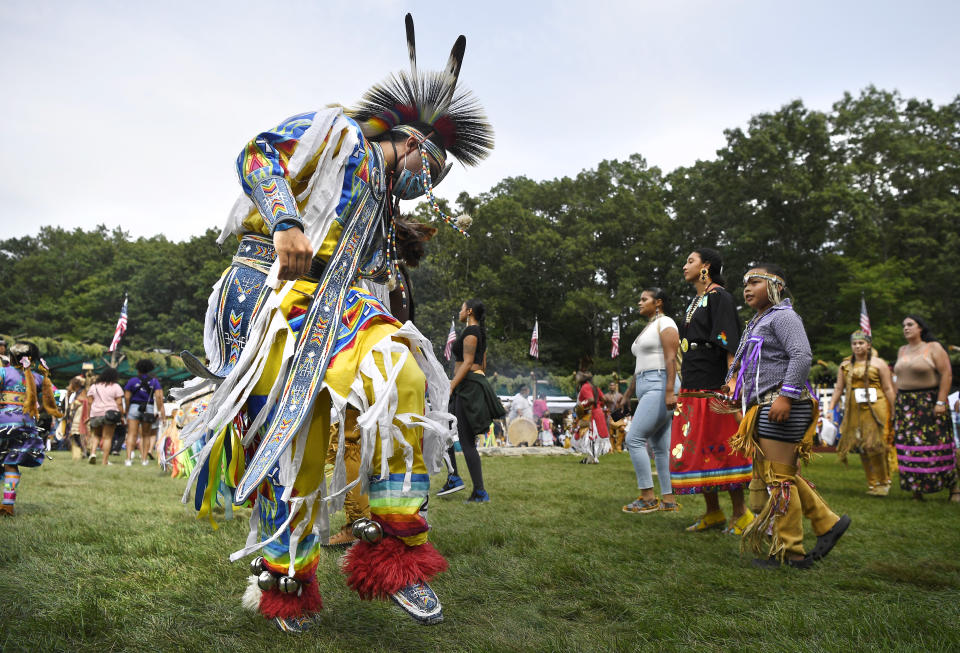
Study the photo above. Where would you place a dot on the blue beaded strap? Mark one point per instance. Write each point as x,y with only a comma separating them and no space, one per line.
314,344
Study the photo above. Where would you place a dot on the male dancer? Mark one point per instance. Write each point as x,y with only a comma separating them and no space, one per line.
319,212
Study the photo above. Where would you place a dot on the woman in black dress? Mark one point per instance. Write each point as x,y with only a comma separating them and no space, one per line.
700,457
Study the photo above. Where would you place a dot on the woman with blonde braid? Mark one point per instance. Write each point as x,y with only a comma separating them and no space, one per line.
866,411
25,390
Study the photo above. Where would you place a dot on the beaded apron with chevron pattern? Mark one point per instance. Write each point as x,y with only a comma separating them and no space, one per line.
314,344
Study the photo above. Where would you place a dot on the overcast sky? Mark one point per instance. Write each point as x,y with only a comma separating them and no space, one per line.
132,113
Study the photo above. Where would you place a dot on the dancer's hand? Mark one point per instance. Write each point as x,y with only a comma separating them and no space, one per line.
780,410
294,252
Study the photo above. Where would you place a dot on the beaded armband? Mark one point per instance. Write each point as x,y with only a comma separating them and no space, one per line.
767,398
276,204
791,391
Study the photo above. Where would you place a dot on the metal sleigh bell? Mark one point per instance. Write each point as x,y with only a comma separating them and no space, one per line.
266,580
367,530
256,566
288,585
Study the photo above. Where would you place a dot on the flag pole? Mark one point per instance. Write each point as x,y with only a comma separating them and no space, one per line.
618,358
113,354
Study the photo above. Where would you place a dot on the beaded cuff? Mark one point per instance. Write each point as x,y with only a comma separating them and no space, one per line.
276,204
790,391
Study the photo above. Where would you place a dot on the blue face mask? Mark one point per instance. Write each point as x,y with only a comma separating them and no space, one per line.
409,185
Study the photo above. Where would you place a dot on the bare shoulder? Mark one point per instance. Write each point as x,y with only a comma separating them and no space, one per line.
937,350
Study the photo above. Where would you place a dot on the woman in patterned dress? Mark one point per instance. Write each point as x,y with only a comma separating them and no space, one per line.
921,422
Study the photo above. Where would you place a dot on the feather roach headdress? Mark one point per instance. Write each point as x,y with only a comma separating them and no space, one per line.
429,101
441,118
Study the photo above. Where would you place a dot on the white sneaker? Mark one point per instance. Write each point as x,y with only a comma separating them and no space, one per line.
145,463
127,462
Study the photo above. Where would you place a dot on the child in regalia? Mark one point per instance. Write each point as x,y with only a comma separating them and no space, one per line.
780,417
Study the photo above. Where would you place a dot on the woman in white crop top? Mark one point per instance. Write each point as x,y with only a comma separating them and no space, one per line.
655,381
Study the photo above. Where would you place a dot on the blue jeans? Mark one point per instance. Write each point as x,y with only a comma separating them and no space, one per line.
652,422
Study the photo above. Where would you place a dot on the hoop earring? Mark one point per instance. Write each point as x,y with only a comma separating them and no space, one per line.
704,275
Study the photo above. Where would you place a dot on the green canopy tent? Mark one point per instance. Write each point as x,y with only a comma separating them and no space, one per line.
65,358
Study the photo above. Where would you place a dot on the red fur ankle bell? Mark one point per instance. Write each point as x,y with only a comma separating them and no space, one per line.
274,603
379,570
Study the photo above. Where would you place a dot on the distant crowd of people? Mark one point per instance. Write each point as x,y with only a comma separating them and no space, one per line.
97,407
93,413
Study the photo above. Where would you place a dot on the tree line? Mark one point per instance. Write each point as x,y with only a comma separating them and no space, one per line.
863,199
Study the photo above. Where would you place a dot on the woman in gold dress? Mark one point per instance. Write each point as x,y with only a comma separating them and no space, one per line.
866,411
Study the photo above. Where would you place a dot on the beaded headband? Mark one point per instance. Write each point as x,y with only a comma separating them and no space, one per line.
860,335
432,149
765,276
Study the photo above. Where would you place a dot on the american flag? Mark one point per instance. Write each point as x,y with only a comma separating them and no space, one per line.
535,340
864,318
121,327
451,338
615,338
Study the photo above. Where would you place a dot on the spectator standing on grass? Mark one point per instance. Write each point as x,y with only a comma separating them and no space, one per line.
539,406
75,422
923,433
546,430
473,401
143,395
655,382
4,357
106,411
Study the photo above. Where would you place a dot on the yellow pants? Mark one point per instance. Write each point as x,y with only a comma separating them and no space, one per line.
778,529
397,511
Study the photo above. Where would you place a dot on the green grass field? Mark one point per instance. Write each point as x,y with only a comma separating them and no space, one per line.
107,559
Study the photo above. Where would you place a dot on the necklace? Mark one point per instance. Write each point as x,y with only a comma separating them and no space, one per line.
696,302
